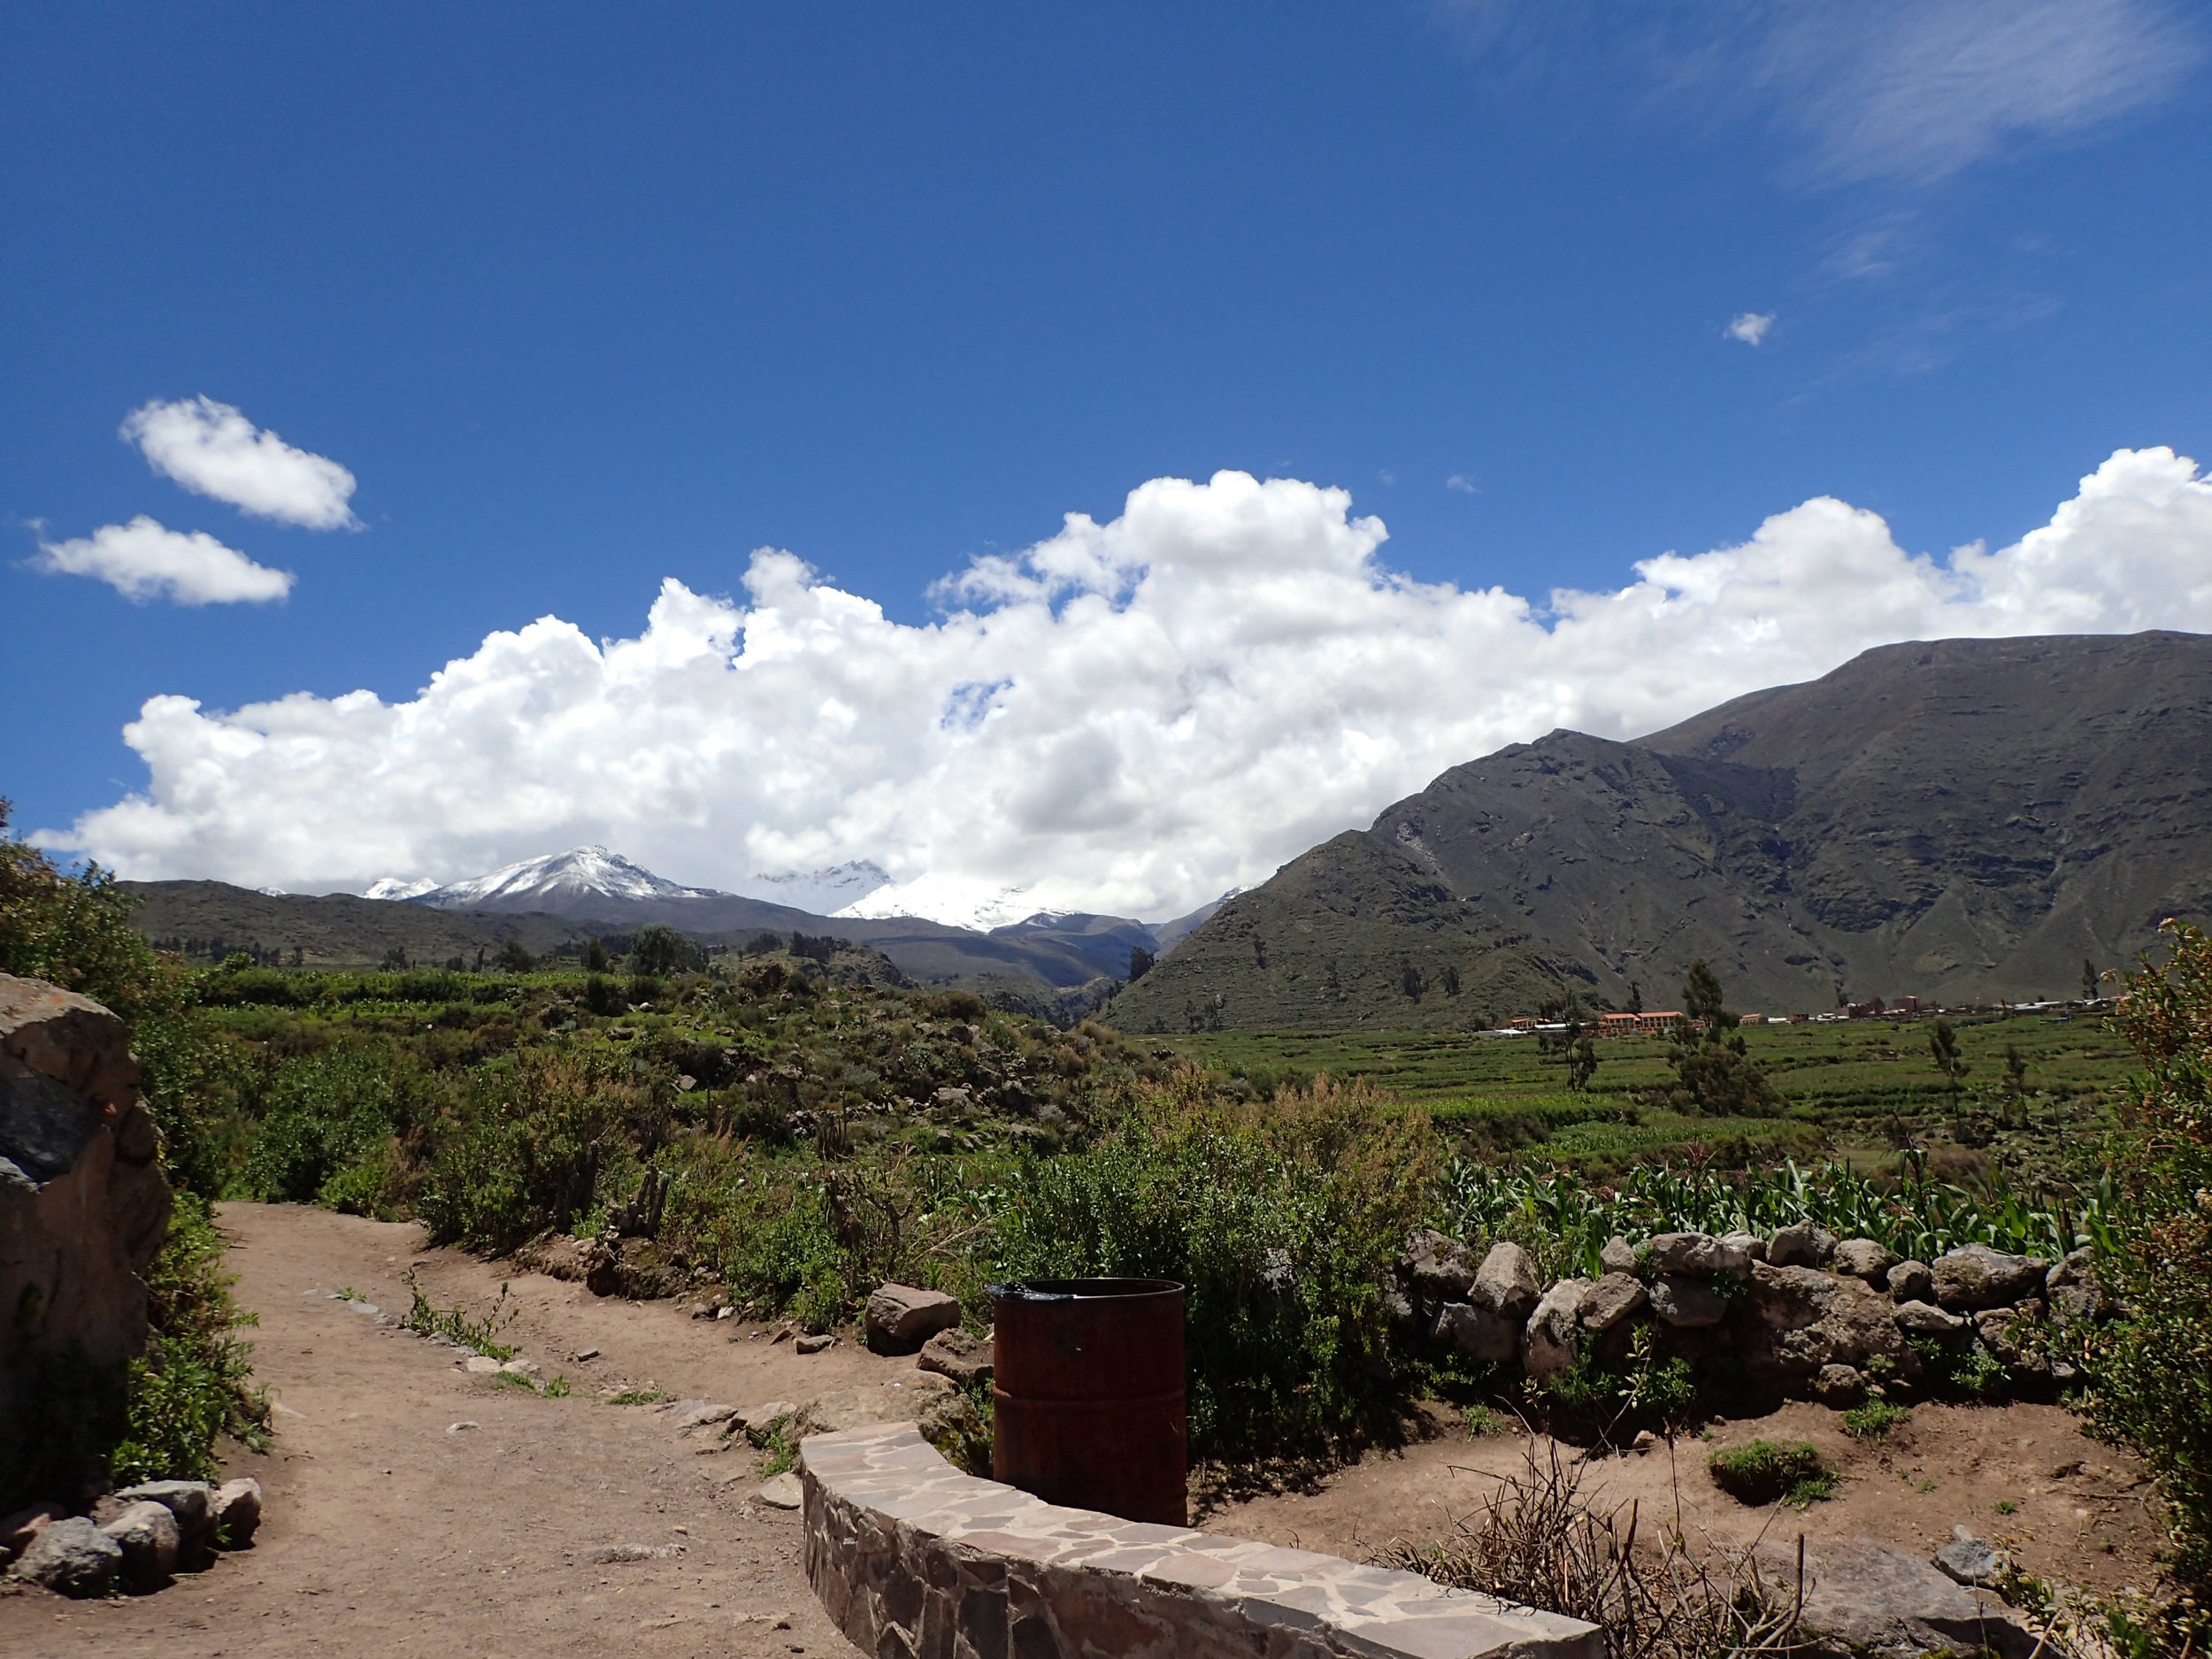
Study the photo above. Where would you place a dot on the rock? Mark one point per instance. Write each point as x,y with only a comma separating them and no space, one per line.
1644,1442
1997,1330
1397,1308
696,1414
150,1540
71,1558
84,1206
1612,1299
820,1344
1477,1333
525,1368
1837,1386
1968,1560
1696,1255
757,1423
1686,1303
783,1493
1754,1246
957,1353
1871,1597
1805,1244
1865,1258
1549,1342
1799,1319
1506,1283
1925,1319
17,1530
1911,1281
1974,1277
1437,1266
2073,1287
1616,1256
191,1501
901,1318
480,1366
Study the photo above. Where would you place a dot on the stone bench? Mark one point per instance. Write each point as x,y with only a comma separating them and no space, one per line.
914,1560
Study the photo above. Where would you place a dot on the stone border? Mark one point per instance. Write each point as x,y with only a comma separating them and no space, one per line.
913,1559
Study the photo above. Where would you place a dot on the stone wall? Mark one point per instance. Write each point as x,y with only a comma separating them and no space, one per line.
914,1560
83,1203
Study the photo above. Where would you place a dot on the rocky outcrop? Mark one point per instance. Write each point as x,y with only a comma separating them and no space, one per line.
83,1203
900,1318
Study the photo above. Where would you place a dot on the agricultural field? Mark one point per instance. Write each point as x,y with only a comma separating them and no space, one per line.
1857,1090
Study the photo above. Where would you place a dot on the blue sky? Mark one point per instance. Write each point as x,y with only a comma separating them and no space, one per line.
587,298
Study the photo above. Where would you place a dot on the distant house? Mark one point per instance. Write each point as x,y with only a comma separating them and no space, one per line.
1635,1025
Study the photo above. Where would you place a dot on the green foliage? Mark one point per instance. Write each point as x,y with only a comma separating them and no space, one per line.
1280,1222
74,931
656,948
2151,1370
1874,1420
1714,1071
454,1325
327,1122
1761,1472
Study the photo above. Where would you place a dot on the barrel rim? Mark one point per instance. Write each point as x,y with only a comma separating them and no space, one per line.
1093,1290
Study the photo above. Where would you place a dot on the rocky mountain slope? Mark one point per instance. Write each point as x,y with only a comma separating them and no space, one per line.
1961,820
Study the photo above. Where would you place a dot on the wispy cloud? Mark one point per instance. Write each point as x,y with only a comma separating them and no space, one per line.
145,560
212,449
1750,326
1463,484
1903,90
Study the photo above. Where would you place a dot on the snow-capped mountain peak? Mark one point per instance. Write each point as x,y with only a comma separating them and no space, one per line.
400,888
821,891
956,901
553,877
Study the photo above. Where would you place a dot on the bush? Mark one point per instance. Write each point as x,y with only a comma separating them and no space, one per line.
1761,1472
327,1120
2151,1370
1282,1222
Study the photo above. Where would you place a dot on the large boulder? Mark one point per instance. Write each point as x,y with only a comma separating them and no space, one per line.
150,1540
957,1353
1974,1277
1696,1255
2072,1289
71,1558
235,1512
899,1318
1549,1343
1865,1258
1686,1303
84,1204
1866,1597
1437,1266
1506,1283
1798,1320
1477,1332
1804,1244
1612,1299
1910,1281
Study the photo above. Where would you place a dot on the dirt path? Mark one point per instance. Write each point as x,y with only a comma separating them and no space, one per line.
392,1531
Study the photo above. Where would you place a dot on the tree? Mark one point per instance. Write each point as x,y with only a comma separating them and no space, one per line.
514,958
1413,982
2016,1085
1635,997
1582,1065
2088,980
2151,1370
1713,1068
658,948
595,957
1140,961
1943,1044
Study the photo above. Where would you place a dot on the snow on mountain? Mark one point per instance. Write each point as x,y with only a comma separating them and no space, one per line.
554,879
956,901
821,891
400,888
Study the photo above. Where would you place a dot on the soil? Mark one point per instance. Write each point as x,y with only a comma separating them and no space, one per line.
414,1509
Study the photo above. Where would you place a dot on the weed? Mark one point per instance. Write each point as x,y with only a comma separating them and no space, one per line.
1761,1472
2005,1505
638,1397
452,1324
1875,1419
1482,1423
779,1450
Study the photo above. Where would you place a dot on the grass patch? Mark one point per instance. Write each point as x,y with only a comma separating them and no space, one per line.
1874,1420
1762,1472
638,1397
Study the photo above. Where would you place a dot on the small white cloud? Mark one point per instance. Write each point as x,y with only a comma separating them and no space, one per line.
213,449
1750,326
1387,476
1465,485
145,560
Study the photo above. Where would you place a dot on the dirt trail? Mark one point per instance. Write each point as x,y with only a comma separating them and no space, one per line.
392,1531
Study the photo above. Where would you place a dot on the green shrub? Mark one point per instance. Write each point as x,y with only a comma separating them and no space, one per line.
1760,1471
2151,1370
1281,1221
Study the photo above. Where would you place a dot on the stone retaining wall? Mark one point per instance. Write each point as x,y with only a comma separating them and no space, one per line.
914,1560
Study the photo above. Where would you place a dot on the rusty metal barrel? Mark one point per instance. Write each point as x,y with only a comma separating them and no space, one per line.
1087,1395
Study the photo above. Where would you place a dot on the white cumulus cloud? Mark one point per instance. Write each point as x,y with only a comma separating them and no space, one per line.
1127,717
145,560
212,449
1750,326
